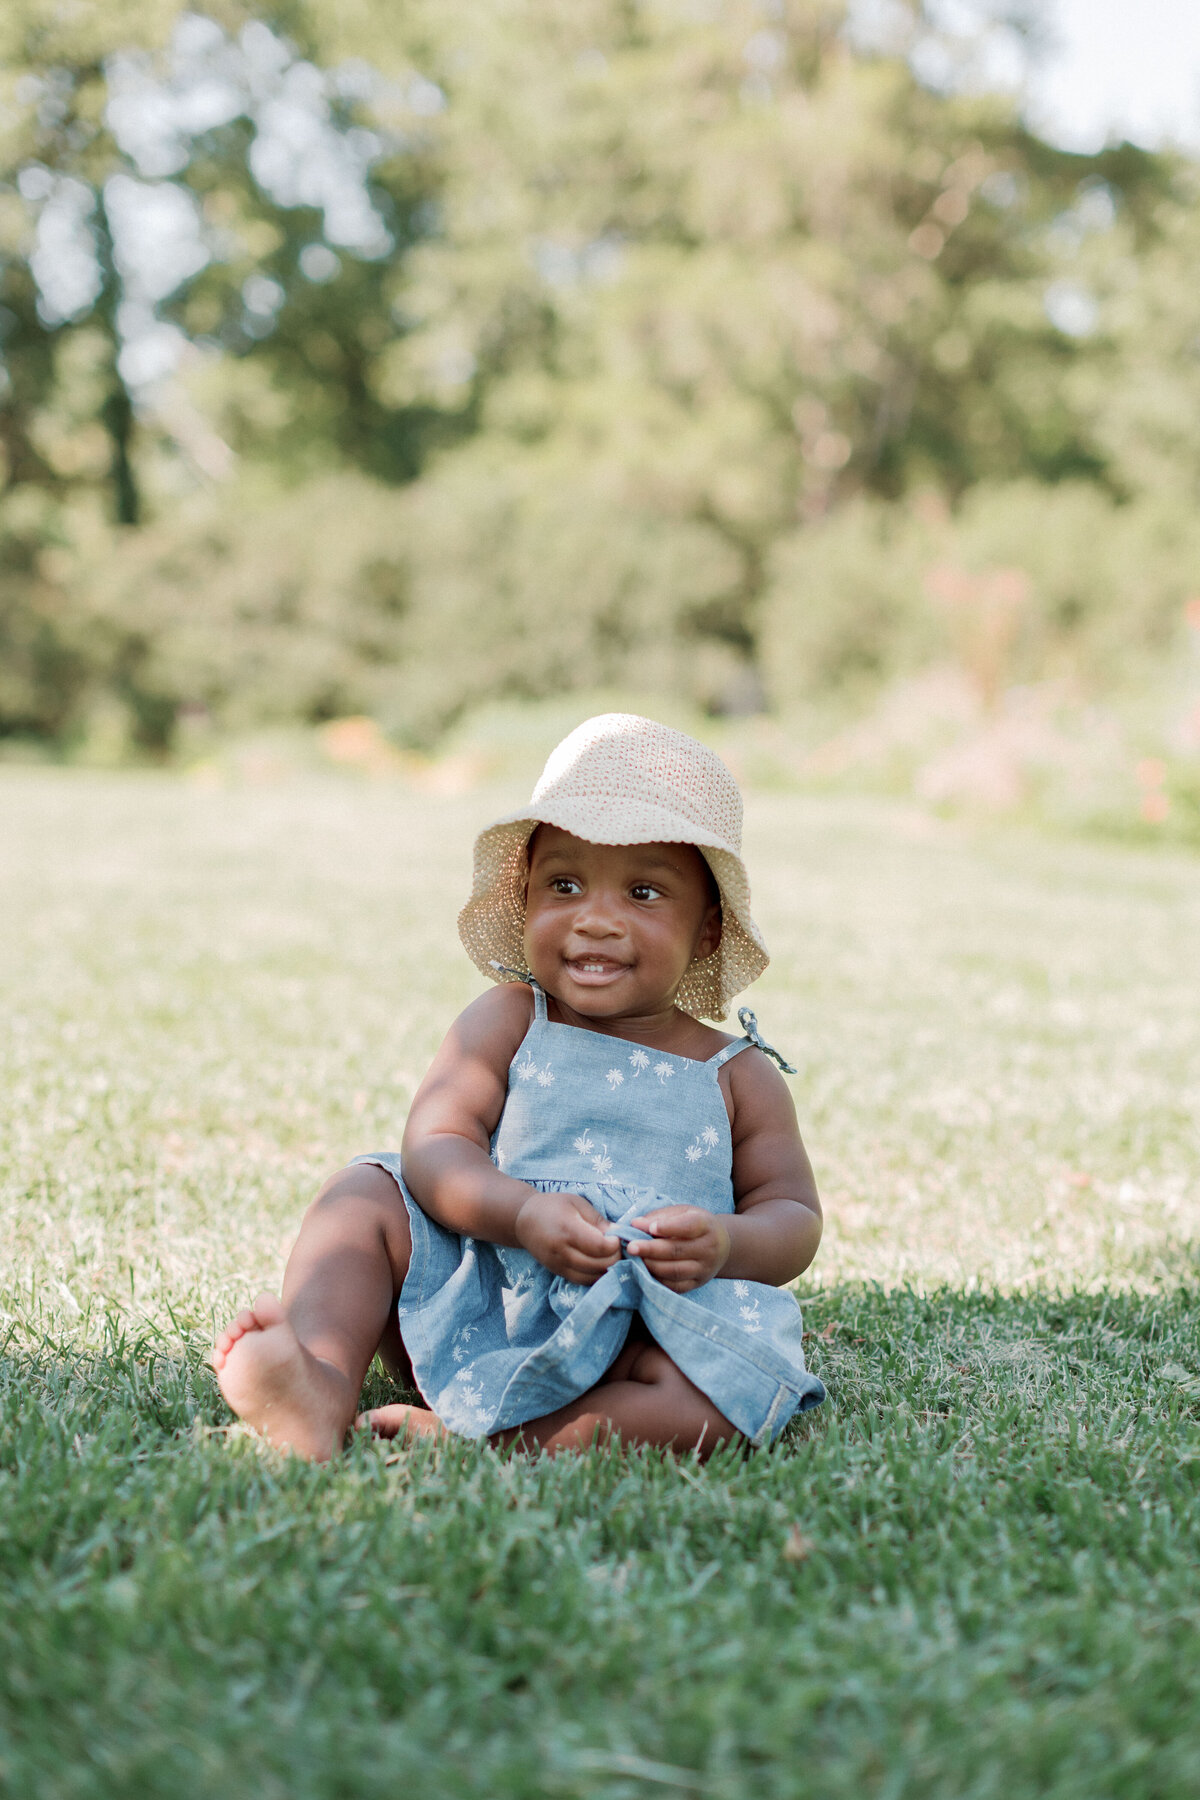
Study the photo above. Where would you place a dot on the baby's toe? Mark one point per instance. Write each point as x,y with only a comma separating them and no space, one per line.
236,1328
382,1421
268,1310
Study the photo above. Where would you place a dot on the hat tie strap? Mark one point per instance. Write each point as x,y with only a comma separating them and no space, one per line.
749,1025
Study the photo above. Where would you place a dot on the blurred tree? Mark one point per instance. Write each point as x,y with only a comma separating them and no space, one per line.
1133,274
740,273
612,286
156,165
173,184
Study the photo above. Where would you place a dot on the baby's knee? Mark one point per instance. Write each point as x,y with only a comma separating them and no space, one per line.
369,1193
365,1183
653,1366
697,1423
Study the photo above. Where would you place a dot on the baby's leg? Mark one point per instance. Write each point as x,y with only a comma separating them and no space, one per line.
294,1368
644,1398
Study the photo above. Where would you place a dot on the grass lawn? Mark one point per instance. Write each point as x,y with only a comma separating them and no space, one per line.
974,1573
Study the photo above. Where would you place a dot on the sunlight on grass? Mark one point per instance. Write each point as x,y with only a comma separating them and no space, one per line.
216,996
974,1572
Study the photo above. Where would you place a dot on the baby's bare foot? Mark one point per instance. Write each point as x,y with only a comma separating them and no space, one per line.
272,1382
400,1422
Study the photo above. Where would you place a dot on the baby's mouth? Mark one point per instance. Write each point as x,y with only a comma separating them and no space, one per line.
594,971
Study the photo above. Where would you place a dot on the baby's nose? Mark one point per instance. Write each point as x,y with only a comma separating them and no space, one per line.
597,917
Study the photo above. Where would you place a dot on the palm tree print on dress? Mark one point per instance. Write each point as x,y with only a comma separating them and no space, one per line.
703,1144
528,1071
585,1145
750,1315
471,1396
462,1337
602,1161
517,1272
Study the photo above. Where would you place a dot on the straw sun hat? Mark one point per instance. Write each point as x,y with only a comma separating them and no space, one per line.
621,779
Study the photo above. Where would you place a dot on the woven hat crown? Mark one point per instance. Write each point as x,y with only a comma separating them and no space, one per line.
629,772
623,779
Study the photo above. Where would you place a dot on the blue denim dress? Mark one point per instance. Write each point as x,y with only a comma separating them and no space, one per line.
495,1339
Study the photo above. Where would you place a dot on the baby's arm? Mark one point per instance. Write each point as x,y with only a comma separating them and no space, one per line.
773,1235
446,1157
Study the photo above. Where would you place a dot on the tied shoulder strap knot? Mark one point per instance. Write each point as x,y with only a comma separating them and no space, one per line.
749,1025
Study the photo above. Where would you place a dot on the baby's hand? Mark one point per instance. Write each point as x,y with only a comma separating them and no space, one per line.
688,1246
565,1235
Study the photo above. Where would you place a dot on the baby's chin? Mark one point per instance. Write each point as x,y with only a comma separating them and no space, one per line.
607,994
596,999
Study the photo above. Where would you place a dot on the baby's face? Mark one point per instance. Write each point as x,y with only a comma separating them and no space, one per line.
610,930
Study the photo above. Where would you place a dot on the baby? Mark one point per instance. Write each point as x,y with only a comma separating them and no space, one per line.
598,1195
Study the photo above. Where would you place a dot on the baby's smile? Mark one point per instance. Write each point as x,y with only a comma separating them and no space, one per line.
595,971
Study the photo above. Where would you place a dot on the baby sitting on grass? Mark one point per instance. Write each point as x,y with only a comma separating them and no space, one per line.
598,1195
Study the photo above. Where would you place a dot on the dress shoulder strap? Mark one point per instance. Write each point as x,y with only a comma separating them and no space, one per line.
751,1041
539,992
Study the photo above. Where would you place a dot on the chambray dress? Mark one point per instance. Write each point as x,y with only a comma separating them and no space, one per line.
495,1339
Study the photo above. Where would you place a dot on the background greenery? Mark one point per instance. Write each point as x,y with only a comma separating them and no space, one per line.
531,359
973,1574
697,351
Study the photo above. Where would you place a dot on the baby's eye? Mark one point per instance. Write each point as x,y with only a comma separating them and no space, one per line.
643,890
565,884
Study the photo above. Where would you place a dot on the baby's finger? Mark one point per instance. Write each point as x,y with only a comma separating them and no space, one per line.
577,1267
681,1280
688,1270
593,1242
676,1282
586,1211
675,1222
671,1250
583,1270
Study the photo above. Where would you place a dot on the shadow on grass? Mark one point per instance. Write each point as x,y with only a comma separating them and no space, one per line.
949,1352
973,1572
934,1355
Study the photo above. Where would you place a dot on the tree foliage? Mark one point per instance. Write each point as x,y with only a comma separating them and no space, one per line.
511,347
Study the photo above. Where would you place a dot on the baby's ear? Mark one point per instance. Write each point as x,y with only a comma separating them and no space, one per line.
710,932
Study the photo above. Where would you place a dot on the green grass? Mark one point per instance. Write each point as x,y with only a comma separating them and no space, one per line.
973,1574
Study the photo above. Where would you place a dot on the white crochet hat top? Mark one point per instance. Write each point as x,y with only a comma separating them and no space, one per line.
622,779
629,773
